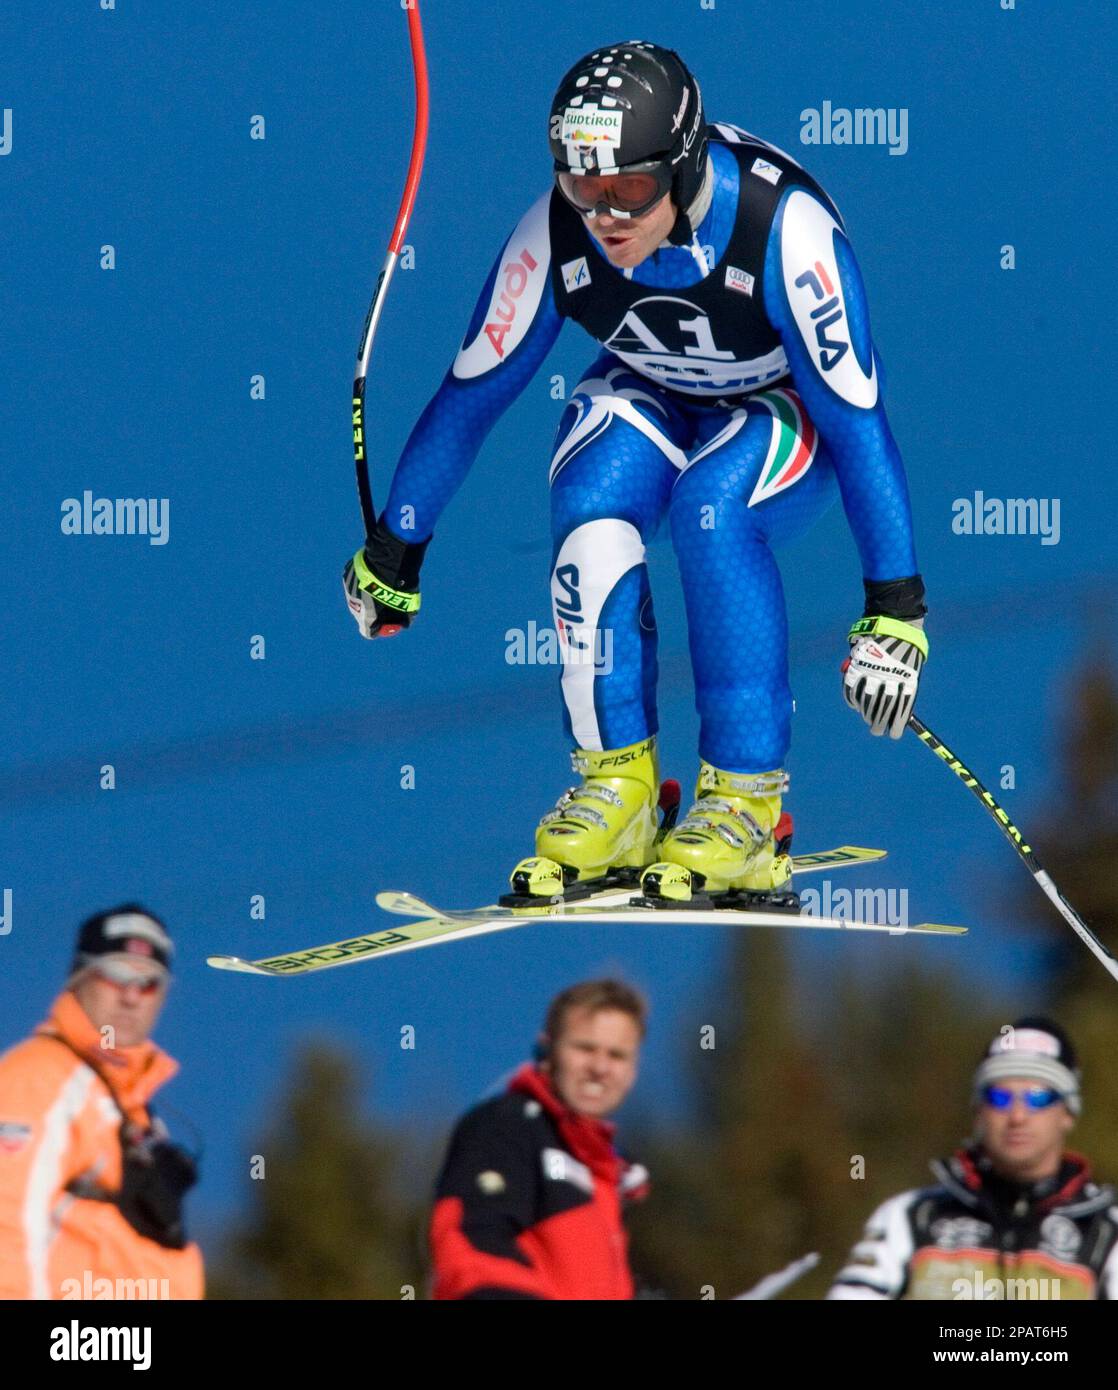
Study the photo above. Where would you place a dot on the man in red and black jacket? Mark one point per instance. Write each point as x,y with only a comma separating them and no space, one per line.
530,1199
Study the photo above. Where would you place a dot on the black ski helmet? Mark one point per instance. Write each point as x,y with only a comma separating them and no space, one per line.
641,105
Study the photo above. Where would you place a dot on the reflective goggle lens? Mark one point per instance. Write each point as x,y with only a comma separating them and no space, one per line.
1001,1098
124,975
627,193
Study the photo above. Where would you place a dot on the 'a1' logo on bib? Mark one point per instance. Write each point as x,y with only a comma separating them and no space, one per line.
663,327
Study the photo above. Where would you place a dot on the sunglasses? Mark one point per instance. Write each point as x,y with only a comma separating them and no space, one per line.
1036,1098
631,193
123,976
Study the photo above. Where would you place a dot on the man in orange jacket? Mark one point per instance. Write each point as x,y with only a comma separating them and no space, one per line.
91,1188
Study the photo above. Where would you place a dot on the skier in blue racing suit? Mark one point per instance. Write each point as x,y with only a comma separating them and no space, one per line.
737,393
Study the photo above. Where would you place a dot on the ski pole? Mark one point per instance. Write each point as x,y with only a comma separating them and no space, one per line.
1017,840
411,188
772,1284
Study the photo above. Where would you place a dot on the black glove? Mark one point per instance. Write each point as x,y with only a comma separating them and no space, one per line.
382,583
157,1176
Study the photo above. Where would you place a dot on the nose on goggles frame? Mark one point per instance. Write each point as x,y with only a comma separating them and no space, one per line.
1035,1098
630,192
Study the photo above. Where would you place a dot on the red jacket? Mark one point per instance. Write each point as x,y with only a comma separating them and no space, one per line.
529,1202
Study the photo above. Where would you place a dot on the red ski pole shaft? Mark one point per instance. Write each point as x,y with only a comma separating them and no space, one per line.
411,189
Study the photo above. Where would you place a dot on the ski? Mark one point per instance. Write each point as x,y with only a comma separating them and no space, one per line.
437,926
394,939
626,911
408,905
845,856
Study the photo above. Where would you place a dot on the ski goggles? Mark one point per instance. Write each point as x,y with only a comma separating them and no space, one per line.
122,974
630,193
1036,1097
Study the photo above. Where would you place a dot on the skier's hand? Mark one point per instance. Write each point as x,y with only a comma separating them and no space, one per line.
381,583
882,672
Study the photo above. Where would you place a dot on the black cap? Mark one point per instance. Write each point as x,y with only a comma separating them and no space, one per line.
129,930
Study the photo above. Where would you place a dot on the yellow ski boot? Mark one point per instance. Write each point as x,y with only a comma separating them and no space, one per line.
600,834
731,847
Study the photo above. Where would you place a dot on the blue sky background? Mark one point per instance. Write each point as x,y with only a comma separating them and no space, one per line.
282,777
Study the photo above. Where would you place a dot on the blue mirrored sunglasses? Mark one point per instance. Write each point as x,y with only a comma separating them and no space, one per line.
1001,1098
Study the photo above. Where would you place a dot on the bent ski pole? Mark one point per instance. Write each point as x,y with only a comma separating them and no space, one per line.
1017,840
411,188
772,1284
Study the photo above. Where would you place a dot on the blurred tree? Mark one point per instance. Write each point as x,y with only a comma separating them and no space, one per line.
903,1054
749,1186
806,1118
1078,844
1078,839
324,1220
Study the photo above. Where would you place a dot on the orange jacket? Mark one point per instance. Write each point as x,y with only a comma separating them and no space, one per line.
58,1122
